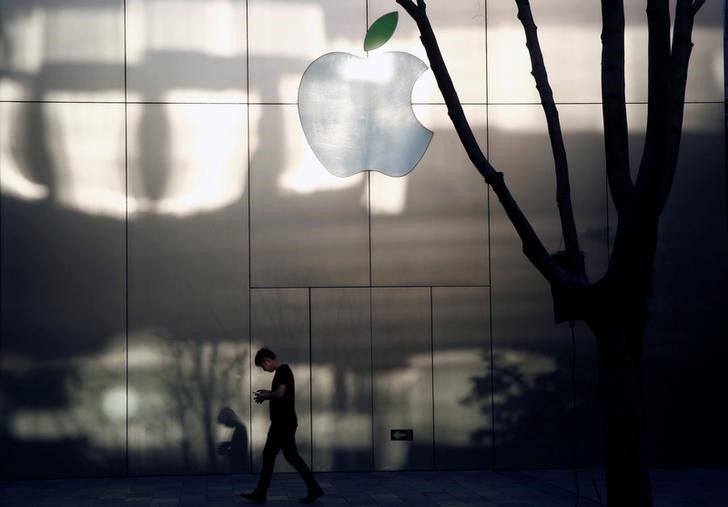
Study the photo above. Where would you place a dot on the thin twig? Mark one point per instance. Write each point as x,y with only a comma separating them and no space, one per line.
697,5
680,56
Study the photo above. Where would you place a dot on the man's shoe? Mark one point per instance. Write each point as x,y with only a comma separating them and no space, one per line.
254,496
313,494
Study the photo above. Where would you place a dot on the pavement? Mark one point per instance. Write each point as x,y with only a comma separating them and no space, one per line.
492,488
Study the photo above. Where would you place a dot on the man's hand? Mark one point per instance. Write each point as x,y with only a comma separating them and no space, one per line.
224,448
261,395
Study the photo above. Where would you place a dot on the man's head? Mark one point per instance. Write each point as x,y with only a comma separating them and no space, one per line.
266,359
228,417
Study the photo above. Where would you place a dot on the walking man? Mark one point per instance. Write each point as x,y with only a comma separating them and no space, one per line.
282,431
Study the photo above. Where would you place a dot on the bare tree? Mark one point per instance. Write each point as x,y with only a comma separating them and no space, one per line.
614,307
199,384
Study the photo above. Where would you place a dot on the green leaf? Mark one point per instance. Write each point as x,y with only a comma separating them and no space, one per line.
380,31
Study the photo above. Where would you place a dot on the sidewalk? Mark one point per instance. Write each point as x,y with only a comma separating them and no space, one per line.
543,488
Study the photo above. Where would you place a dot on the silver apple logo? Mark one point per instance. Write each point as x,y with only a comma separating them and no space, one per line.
356,113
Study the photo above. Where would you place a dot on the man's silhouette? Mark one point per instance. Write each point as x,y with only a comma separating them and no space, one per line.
282,431
237,447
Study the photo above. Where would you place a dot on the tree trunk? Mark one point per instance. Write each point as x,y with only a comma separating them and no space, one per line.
615,308
620,340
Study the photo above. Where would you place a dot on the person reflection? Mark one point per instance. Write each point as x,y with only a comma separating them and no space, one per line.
236,449
282,431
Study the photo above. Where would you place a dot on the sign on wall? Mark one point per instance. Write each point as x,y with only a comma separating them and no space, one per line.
356,113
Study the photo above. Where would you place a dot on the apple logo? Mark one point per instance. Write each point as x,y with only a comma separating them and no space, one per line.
356,113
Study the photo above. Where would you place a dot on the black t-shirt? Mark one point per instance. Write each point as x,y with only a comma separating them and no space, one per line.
283,410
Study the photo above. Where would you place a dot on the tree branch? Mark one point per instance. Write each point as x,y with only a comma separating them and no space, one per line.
658,107
632,258
697,5
532,246
563,190
616,134
681,49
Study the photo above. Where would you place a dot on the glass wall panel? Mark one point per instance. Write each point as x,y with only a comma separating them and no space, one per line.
533,409
341,371
402,373
62,317
309,228
280,321
569,34
462,377
188,285
460,30
62,50
285,37
170,58
431,226
685,340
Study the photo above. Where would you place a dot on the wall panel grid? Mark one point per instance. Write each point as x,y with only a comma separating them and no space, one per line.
379,359
163,216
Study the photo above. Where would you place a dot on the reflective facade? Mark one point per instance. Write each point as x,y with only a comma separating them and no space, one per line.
163,216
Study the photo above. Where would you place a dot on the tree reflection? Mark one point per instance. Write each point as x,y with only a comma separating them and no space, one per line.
199,384
531,395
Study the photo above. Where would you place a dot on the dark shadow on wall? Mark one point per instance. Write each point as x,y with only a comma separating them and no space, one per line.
533,410
236,449
62,301
685,335
58,458
63,350
50,253
64,282
684,341
64,285
47,254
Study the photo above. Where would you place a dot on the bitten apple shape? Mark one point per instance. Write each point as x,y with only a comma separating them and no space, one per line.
357,115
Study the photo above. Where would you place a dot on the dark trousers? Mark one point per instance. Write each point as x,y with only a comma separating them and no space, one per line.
283,437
